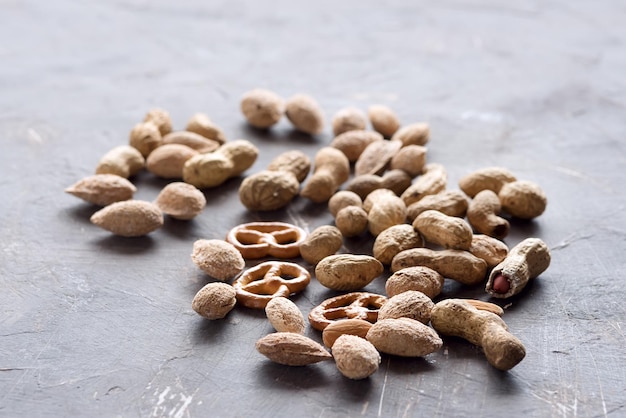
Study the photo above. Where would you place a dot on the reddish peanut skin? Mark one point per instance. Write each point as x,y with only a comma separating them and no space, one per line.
525,261
456,317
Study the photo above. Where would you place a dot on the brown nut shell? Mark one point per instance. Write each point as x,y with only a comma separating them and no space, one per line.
523,199
355,357
350,326
383,119
268,190
353,143
410,304
323,241
488,178
413,134
130,218
305,114
347,272
167,161
404,337
491,250
214,301
219,259
284,315
395,239
420,278
459,265
348,119
448,202
181,201
103,189
291,349
444,230
192,140
525,261
262,108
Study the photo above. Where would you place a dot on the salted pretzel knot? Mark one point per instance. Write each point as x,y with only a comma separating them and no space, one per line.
259,284
360,305
261,239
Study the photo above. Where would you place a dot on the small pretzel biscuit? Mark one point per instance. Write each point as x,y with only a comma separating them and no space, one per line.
261,239
360,305
259,284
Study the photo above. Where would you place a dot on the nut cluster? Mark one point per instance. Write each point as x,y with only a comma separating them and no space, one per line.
200,156
391,195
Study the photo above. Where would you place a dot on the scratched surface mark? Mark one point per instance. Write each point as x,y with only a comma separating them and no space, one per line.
91,322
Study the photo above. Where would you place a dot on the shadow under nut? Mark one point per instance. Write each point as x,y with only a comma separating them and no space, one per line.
458,265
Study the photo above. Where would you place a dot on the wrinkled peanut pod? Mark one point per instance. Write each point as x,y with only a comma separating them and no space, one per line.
124,160
347,272
294,161
433,181
489,178
145,137
482,214
268,190
161,118
461,266
410,159
181,201
410,304
323,241
215,300
376,157
383,120
305,114
395,239
353,143
458,318
342,199
395,180
262,108
525,261
348,119
351,221
386,211
444,230
404,337
420,278
167,161
202,125
449,202
332,168
492,250
523,199
192,140
413,134
213,169
355,357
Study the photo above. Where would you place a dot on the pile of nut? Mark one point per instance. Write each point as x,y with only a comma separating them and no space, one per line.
374,182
